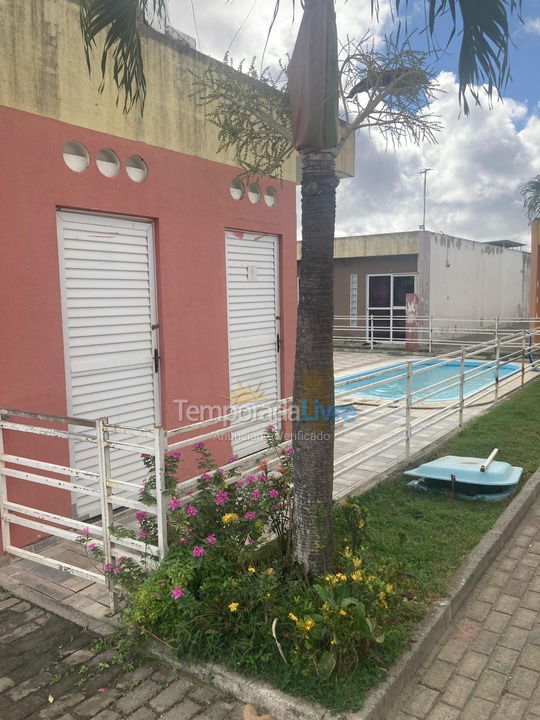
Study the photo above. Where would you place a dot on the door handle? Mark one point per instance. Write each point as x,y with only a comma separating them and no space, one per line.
156,360
278,343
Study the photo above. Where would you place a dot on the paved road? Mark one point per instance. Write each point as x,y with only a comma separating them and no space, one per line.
487,667
49,670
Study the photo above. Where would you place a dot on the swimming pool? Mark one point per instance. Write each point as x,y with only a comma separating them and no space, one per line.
432,373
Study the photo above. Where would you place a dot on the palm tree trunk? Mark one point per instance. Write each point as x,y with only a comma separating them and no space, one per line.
313,430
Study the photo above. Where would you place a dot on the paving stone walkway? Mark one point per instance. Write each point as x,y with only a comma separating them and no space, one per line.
487,667
49,670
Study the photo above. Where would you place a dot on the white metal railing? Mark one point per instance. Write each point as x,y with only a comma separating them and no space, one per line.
110,492
397,412
514,348
426,330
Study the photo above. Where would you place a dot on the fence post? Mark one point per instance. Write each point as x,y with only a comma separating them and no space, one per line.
497,327
497,368
104,464
6,532
160,447
408,404
371,332
430,337
461,386
523,350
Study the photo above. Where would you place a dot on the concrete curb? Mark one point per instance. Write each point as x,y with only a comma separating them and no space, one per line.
379,702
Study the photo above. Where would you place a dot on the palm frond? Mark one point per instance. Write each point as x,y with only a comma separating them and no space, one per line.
485,38
530,192
118,19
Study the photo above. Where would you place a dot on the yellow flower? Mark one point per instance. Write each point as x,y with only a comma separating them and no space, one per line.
233,607
372,578
381,600
251,570
361,523
343,612
269,571
308,624
357,576
357,562
389,589
229,518
340,577
325,606
293,617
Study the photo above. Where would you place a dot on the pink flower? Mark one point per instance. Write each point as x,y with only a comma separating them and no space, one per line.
91,546
273,493
140,516
145,456
240,484
289,451
85,531
101,689
107,568
256,495
211,539
270,428
261,477
198,551
221,497
177,593
232,459
199,446
116,570
176,454
174,504
144,534
249,541
191,511
206,477
250,515
250,479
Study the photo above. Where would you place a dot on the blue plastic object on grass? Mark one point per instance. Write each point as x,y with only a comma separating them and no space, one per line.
464,477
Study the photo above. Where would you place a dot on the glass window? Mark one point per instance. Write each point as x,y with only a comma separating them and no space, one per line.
379,291
353,300
403,284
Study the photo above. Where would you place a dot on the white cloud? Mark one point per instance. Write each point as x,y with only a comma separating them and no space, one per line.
479,164
532,25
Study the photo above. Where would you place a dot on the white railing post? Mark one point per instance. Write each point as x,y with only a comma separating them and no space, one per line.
497,368
497,327
408,404
523,350
6,533
371,332
430,335
461,386
160,447
104,465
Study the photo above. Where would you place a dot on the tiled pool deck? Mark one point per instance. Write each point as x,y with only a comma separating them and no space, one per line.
92,599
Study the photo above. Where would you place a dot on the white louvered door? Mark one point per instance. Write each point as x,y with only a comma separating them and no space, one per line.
109,319
253,319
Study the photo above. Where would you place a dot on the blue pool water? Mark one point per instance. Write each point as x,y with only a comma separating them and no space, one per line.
430,375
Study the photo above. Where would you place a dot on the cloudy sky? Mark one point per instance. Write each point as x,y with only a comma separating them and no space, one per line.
480,161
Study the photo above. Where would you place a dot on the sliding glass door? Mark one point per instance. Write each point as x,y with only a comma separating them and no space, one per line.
386,304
